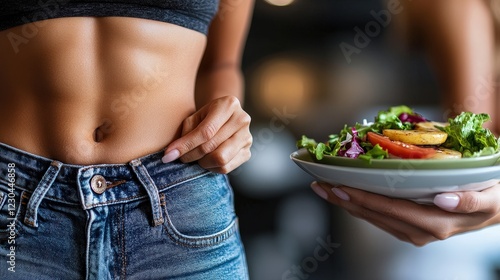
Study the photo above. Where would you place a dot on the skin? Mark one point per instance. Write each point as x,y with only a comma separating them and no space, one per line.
86,90
459,43
417,223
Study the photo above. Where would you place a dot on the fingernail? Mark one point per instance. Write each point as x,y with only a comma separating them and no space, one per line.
340,194
170,156
319,190
447,201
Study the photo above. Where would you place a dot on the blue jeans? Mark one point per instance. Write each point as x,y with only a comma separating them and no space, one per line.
141,220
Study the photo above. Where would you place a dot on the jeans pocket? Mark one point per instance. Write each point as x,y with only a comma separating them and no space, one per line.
199,212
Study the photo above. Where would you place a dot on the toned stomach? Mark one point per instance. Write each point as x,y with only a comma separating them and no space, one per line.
96,90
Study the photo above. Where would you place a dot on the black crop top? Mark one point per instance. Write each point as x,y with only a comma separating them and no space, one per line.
192,14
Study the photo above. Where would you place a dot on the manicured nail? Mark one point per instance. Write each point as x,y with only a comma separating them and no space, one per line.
340,194
447,201
170,156
319,190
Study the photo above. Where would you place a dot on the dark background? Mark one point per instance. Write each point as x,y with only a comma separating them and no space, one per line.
298,81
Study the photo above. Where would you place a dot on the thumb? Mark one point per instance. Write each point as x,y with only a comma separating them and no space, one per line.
485,201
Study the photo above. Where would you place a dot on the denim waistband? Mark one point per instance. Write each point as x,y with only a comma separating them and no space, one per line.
93,185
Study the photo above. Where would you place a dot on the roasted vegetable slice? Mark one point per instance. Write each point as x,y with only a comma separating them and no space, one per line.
443,153
430,125
416,137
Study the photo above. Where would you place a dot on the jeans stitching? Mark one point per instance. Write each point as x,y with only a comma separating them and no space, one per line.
202,241
122,244
195,241
183,180
160,189
23,202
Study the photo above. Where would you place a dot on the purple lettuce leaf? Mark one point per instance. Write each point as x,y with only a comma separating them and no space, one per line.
412,118
350,147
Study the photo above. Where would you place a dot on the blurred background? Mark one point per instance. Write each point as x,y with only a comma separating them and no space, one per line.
309,71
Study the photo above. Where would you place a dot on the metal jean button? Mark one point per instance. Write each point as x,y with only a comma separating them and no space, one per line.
98,184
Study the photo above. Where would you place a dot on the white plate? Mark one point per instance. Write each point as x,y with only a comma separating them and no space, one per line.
404,182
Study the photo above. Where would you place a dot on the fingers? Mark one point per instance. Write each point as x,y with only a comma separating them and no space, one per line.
486,201
418,223
397,209
235,130
204,125
403,231
217,136
228,155
199,128
382,204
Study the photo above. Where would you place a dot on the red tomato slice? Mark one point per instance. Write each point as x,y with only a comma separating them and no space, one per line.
398,148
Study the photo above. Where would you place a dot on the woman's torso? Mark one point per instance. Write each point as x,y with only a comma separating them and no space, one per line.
86,90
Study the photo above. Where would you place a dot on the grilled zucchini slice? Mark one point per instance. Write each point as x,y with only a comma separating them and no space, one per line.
416,137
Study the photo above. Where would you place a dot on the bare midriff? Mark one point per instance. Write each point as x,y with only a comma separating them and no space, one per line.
86,90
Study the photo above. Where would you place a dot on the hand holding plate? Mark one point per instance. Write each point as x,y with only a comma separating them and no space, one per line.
415,223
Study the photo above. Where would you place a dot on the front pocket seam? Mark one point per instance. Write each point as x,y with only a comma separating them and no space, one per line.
169,185
195,241
199,241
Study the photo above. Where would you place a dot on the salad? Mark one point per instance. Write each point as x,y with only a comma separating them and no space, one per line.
399,132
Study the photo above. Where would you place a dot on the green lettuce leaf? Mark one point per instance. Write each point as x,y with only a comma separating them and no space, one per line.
376,152
467,135
390,119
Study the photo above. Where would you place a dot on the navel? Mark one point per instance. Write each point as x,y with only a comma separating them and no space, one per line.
102,131
98,134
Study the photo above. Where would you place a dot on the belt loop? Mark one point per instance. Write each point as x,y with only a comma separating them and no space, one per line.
143,176
39,193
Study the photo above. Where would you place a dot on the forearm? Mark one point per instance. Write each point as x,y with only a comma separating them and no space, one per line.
464,60
225,80
458,40
220,70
